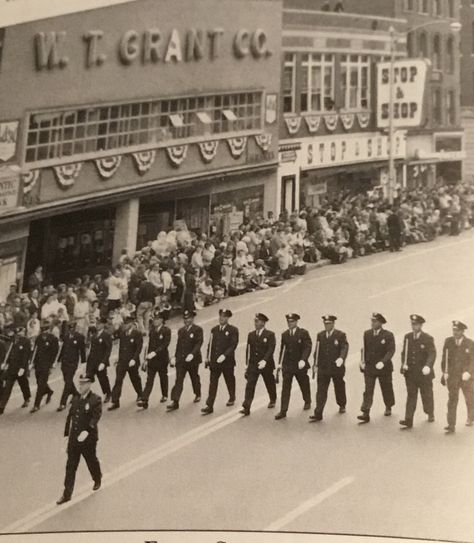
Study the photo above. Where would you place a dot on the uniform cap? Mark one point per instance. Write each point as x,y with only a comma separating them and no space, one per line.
225,312
103,320
188,314
160,315
293,317
379,317
417,319
44,325
329,318
261,317
459,325
84,378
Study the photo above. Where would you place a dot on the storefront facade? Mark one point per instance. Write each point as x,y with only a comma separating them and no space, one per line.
145,115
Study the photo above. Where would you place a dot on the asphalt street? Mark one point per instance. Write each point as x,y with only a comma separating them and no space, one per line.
225,472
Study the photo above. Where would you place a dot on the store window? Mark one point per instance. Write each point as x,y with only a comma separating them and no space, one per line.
289,83
451,107
317,90
450,60
437,106
8,275
423,45
437,7
436,56
355,81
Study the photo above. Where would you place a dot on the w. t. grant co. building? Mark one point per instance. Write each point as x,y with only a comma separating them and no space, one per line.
125,120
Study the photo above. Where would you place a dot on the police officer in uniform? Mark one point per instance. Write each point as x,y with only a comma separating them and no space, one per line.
82,434
46,350
187,359
99,354
221,359
72,352
329,359
458,371
157,359
376,363
130,348
295,350
259,360
16,368
418,358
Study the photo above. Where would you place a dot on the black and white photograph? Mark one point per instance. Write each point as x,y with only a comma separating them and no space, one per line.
236,271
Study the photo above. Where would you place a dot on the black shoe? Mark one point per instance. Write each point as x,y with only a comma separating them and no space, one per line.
365,417
230,403
61,408
245,411
431,418
449,429
2,410
97,485
388,412
271,405
307,406
49,396
26,403
197,399
469,423
342,410
34,409
63,499
280,416
143,405
107,398
315,418
406,424
113,407
207,410
164,399
172,406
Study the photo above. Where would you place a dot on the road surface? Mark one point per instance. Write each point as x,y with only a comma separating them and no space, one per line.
183,471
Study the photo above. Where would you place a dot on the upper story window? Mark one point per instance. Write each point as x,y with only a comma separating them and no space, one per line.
437,107
436,56
451,107
289,83
355,81
56,136
450,59
424,6
423,45
438,7
451,9
409,5
317,88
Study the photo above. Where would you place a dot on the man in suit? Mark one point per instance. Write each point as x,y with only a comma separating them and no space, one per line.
259,360
376,364
457,366
72,352
16,367
46,350
188,357
418,358
329,359
293,360
395,229
221,359
130,348
158,359
99,354
81,432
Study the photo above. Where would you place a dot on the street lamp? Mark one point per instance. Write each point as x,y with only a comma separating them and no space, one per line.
455,28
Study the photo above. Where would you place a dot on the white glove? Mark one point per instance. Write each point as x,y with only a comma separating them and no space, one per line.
466,376
3,367
262,364
64,444
131,364
189,358
151,355
445,375
362,366
221,359
379,365
82,436
101,367
21,372
426,370
301,364
339,362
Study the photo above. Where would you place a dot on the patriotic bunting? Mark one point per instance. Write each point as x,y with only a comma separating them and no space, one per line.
363,118
108,166
177,154
293,124
330,119
313,122
208,150
264,141
29,180
144,160
237,146
347,120
67,174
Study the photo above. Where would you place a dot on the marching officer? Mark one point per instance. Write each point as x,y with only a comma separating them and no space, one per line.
457,365
259,360
99,354
45,353
16,368
81,432
221,359
187,359
72,352
418,358
157,359
295,350
376,363
130,348
329,360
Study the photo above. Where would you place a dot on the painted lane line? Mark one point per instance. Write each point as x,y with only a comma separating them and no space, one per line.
308,505
397,289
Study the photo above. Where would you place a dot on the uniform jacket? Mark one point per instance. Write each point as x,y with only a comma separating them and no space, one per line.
380,348
261,347
294,348
47,348
18,357
330,349
72,351
84,415
101,347
224,342
189,342
418,353
159,342
130,346
459,359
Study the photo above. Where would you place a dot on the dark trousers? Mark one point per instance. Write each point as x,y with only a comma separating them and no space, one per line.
150,380
252,378
467,387
181,371
424,385
122,371
322,391
303,381
87,449
8,386
43,388
104,382
69,387
386,386
229,378
395,240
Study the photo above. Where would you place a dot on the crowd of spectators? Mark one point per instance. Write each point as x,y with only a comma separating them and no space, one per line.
186,270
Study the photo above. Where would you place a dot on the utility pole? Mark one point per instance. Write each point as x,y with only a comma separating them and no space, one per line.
391,128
